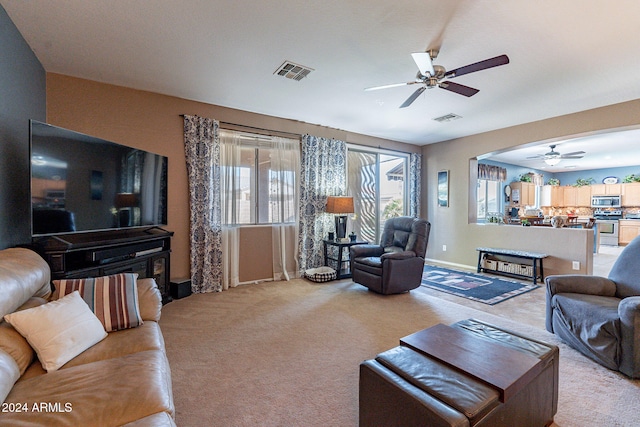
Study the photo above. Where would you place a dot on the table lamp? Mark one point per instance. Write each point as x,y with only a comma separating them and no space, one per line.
340,205
124,203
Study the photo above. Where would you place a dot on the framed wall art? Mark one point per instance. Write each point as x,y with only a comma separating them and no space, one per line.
443,188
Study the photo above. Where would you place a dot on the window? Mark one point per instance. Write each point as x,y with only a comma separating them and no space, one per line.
259,178
379,188
488,194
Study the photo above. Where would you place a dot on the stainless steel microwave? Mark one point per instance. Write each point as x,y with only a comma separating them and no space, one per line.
605,201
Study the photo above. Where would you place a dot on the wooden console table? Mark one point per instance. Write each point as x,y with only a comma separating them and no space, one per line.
535,258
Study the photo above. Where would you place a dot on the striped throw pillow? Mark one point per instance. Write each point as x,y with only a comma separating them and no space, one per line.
113,299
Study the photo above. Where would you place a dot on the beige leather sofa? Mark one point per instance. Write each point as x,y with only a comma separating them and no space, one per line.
122,380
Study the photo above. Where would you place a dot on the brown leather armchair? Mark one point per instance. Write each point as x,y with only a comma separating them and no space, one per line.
396,264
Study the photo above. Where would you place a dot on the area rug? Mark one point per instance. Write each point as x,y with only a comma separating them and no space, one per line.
485,289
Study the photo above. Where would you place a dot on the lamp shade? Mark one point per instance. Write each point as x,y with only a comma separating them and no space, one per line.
340,204
126,200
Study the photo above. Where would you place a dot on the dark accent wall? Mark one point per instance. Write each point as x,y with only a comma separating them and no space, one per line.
22,97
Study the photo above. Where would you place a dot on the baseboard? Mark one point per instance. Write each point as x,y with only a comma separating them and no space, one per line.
451,264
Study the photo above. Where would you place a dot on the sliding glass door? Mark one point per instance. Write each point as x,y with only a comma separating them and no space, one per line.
377,181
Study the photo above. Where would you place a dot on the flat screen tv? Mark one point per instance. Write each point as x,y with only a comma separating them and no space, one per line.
81,183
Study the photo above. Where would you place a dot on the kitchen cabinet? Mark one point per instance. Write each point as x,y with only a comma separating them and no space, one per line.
583,196
523,194
629,229
576,196
631,194
606,189
551,196
569,195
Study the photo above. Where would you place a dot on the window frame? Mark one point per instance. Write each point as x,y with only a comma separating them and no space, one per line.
378,152
499,204
258,144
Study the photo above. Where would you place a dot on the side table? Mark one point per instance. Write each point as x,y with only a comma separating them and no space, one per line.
339,259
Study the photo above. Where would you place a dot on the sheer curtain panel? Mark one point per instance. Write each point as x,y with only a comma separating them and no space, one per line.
230,186
259,187
284,196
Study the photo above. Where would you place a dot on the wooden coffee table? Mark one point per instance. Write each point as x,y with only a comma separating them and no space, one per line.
506,369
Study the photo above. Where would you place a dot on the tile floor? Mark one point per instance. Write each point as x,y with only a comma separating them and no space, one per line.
604,259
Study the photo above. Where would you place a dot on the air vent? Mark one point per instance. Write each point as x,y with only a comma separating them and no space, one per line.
447,118
293,71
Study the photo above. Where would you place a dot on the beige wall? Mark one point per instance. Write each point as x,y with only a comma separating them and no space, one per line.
152,122
451,226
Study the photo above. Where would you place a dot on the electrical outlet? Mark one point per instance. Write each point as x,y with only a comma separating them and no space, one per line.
444,248
576,265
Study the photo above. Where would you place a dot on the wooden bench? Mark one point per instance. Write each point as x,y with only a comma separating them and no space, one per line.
535,257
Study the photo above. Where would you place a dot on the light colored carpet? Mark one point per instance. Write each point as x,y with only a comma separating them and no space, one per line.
288,353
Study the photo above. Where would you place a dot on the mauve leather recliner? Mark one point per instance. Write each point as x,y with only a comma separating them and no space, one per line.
396,264
599,316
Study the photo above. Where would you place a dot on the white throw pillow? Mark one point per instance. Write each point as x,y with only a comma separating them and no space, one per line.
59,330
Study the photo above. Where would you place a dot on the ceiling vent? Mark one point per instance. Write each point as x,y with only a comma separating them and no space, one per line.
447,118
293,71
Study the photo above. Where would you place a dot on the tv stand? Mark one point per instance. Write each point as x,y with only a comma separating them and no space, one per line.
145,251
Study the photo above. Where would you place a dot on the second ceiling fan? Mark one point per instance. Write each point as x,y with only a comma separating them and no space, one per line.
430,76
552,158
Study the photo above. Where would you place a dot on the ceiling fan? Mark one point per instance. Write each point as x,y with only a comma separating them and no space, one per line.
430,76
553,157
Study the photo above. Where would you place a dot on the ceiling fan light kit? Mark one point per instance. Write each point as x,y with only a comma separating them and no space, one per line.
553,157
430,75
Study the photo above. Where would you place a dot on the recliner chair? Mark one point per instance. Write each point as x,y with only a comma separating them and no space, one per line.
598,316
396,264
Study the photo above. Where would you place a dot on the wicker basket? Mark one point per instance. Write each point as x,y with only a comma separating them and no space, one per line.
490,264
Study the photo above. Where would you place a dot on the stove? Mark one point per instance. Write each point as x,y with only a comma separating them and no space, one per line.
608,226
611,214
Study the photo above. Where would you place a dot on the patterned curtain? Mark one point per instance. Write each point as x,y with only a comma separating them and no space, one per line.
202,152
415,175
491,173
323,173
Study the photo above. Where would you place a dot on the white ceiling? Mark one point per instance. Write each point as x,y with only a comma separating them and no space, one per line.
566,56
601,151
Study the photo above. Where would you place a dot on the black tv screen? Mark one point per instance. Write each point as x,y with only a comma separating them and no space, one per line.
81,183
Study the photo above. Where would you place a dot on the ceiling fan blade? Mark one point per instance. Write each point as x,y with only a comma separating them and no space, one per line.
413,97
537,156
391,85
423,61
575,153
564,156
478,66
458,88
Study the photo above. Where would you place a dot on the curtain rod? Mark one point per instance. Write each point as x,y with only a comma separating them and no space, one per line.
270,132
297,135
